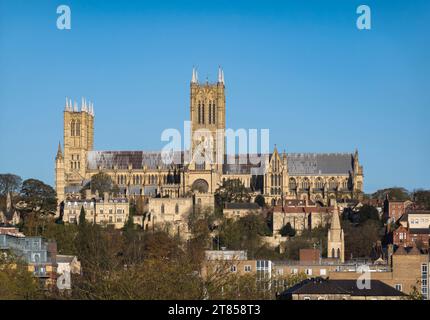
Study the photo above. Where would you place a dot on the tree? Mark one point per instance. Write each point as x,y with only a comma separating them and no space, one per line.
244,233
422,198
16,282
259,199
38,197
367,212
288,231
415,294
360,238
231,190
9,183
82,219
102,183
395,193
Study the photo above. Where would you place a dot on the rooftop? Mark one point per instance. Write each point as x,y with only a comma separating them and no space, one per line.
342,287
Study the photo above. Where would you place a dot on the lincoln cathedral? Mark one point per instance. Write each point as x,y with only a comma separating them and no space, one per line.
316,177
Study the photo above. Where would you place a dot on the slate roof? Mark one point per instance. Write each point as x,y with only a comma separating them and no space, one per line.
64,258
298,163
319,163
238,205
346,287
419,230
137,159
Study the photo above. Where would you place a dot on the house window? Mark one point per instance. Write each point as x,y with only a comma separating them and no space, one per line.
306,298
294,271
247,268
308,272
399,287
233,268
424,279
176,208
323,272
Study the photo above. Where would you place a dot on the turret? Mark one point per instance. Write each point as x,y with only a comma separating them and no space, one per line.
59,175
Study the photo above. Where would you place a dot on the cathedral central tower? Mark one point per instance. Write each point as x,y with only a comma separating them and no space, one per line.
207,113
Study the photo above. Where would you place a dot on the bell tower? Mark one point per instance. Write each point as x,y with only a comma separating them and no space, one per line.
207,114
78,139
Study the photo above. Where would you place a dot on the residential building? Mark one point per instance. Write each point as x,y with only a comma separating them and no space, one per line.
327,289
236,210
104,211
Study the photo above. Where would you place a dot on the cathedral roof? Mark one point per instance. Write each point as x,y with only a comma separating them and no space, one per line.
319,163
298,163
137,159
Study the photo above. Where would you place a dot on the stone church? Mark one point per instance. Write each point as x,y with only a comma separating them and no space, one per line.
278,175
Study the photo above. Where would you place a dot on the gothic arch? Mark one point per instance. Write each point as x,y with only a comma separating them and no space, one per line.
200,185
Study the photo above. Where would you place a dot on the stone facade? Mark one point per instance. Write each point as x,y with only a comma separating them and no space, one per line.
301,217
105,211
202,168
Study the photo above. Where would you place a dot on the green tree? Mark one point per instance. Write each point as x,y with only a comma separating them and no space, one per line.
367,212
39,197
231,190
9,183
422,198
16,282
244,233
259,199
360,238
100,182
288,231
395,193
82,219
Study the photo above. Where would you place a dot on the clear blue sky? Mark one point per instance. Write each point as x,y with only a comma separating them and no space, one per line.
300,68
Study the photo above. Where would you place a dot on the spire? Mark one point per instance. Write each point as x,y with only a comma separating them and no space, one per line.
194,78
83,104
75,108
67,104
8,202
222,76
59,152
220,79
335,222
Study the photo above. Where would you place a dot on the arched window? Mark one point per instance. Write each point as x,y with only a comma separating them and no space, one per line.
176,208
162,208
213,112
203,112
210,112
292,184
332,184
332,253
199,115
305,184
338,253
78,128
319,184
72,128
